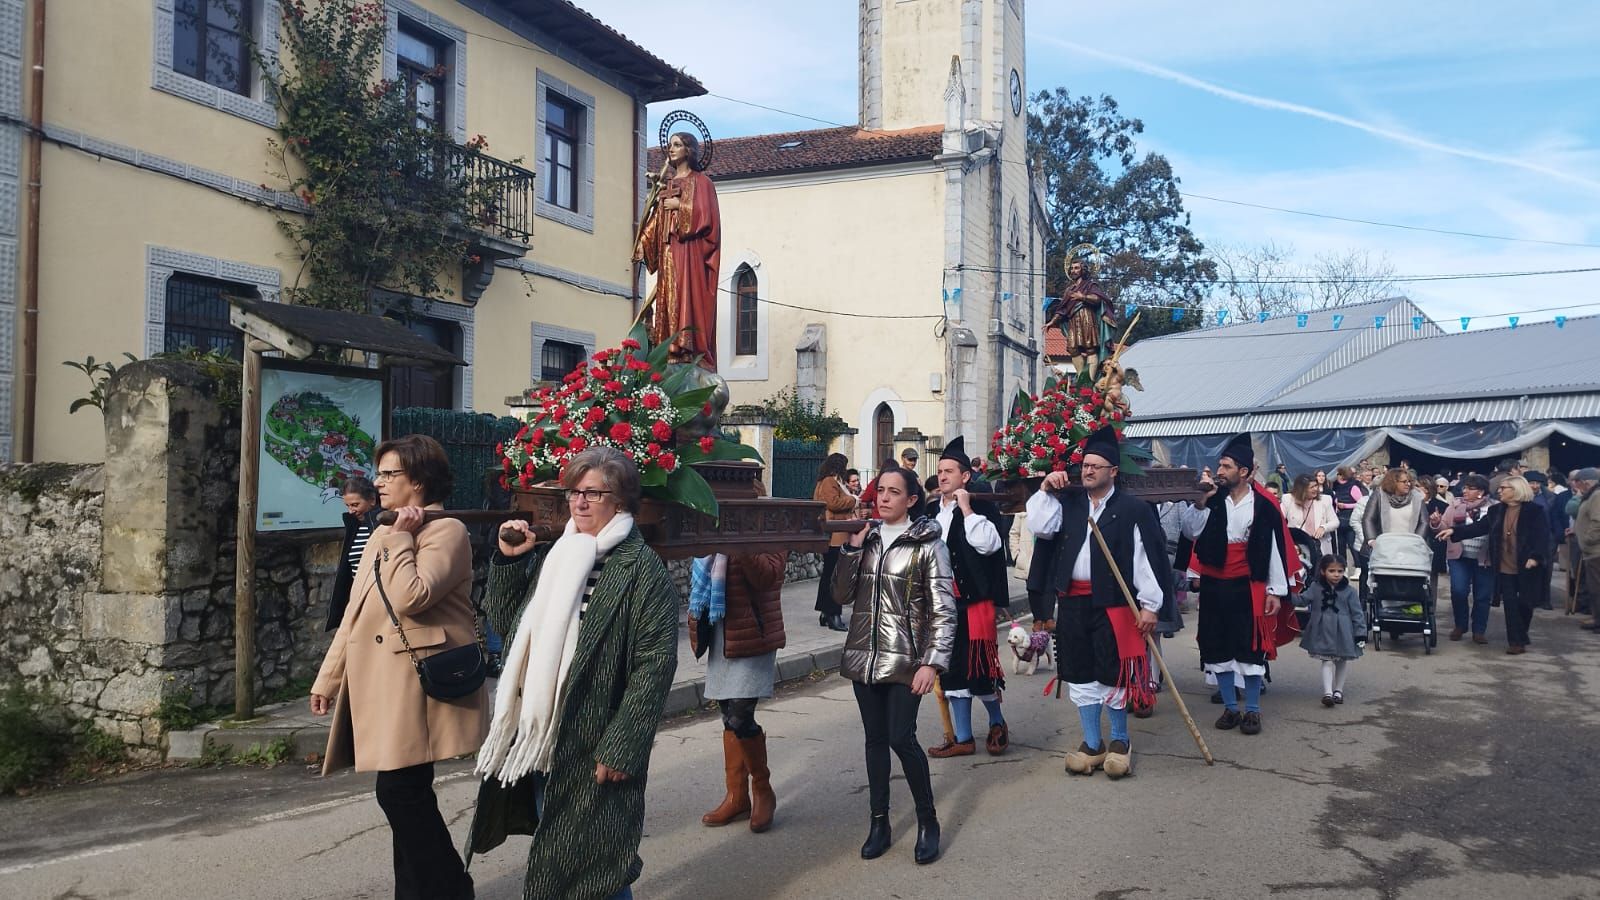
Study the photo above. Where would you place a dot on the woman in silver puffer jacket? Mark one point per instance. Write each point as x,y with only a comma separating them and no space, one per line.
896,575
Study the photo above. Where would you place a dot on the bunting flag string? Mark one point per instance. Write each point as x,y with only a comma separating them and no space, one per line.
1377,321
1416,323
1222,316
1262,316
1177,314
1465,321
1301,320
1514,320
1561,321
1338,321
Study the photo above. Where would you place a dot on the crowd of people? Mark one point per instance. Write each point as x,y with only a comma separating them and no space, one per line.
590,621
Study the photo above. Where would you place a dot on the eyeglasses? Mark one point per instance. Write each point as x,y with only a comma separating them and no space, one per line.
388,474
573,495
1095,467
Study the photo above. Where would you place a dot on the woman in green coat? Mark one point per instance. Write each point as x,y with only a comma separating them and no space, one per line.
591,626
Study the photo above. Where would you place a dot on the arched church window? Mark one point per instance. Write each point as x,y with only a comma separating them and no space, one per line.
744,287
882,434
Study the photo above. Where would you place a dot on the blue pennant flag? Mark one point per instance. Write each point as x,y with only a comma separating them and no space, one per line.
1465,321
1127,311
946,293
1222,316
1262,316
956,295
1416,323
1047,302
1338,320
1561,321
1514,321
1006,296
1301,320
1377,321
1177,314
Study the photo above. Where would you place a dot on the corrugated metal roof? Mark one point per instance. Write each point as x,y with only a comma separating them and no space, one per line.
1494,362
1139,428
1365,416
1241,367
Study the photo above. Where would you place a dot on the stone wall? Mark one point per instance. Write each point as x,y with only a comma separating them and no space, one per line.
117,582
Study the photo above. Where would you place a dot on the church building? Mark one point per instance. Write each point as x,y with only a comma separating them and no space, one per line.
883,270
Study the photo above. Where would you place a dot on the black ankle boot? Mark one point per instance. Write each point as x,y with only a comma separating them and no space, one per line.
927,849
877,838
837,623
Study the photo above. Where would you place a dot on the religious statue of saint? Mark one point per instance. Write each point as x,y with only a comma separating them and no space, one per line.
1085,316
680,242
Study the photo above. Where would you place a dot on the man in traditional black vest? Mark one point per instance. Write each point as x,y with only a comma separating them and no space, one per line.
1240,553
971,528
1099,640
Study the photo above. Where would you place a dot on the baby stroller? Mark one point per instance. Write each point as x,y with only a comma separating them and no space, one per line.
1400,596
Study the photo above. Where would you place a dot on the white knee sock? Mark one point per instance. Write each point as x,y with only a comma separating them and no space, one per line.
1327,677
1340,670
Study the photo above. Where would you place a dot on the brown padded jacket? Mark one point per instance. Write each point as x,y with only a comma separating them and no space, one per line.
754,623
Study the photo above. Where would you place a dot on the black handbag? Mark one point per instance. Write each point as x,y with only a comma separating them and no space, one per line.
449,674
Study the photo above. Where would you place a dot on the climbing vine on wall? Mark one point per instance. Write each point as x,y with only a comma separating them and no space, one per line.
389,204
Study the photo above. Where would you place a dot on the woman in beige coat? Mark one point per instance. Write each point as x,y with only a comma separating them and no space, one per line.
383,721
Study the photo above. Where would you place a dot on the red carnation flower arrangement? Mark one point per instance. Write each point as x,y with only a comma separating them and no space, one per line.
1047,430
624,397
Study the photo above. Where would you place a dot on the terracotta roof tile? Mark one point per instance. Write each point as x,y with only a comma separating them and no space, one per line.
1055,344
819,149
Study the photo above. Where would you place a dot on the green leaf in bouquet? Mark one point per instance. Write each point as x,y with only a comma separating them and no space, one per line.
640,332
1022,405
687,487
720,451
652,476
694,399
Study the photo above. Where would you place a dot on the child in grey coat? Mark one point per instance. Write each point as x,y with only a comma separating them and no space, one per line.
1336,630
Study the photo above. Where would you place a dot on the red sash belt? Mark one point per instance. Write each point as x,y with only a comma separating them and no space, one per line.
1235,566
1133,669
1080,589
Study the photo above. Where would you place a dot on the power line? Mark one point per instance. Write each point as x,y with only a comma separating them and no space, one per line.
1317,215
1299,279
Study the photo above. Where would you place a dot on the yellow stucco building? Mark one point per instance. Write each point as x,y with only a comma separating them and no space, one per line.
158,193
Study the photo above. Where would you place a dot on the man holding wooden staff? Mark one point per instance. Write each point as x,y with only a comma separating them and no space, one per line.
1100,641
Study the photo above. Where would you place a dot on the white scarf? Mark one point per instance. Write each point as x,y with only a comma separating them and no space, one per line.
527,706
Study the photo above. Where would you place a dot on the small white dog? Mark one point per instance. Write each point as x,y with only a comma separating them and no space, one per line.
1028,650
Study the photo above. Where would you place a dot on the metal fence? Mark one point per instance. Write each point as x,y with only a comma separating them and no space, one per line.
468,439
794,467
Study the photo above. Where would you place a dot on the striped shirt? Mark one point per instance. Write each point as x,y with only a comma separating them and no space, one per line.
588,586
357,546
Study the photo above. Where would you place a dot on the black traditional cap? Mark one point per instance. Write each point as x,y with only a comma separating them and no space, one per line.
1103,443
1536,477
957,450
1241,452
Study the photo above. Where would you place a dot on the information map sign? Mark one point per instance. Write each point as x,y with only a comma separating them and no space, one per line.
319,426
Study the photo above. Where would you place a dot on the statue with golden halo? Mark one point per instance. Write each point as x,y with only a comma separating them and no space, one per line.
680,242
1084,312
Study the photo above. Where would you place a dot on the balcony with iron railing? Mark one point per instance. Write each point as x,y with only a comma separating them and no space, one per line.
502,201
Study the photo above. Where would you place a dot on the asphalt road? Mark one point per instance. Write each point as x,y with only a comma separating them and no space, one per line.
1466,773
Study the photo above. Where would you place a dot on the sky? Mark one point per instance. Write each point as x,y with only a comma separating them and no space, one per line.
1461,116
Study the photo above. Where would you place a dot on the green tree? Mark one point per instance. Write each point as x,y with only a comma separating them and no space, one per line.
1100,191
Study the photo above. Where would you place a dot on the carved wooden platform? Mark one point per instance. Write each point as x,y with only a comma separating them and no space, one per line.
1157,484
748,524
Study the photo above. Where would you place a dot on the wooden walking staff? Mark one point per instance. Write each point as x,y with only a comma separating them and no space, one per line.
944,713
1150,642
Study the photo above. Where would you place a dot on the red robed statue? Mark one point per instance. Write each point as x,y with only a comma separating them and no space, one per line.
680,242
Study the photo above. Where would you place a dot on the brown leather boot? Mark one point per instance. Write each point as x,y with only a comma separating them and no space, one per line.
737,801
763,803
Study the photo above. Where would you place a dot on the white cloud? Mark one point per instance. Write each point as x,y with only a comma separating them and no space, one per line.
1388,134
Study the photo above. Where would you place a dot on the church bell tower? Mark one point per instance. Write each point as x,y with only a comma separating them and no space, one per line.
905,57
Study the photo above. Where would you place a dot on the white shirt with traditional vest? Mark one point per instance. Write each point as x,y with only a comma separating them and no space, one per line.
1241,515
1044,520
981,533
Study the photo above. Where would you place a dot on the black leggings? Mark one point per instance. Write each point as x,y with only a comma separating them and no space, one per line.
739,717
825,603
889,717
426,865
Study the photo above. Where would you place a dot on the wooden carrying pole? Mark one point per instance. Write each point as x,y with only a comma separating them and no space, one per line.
1177,696
244,566
944,712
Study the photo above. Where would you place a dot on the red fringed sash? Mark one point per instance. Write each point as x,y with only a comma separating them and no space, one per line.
1133,669
983,653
